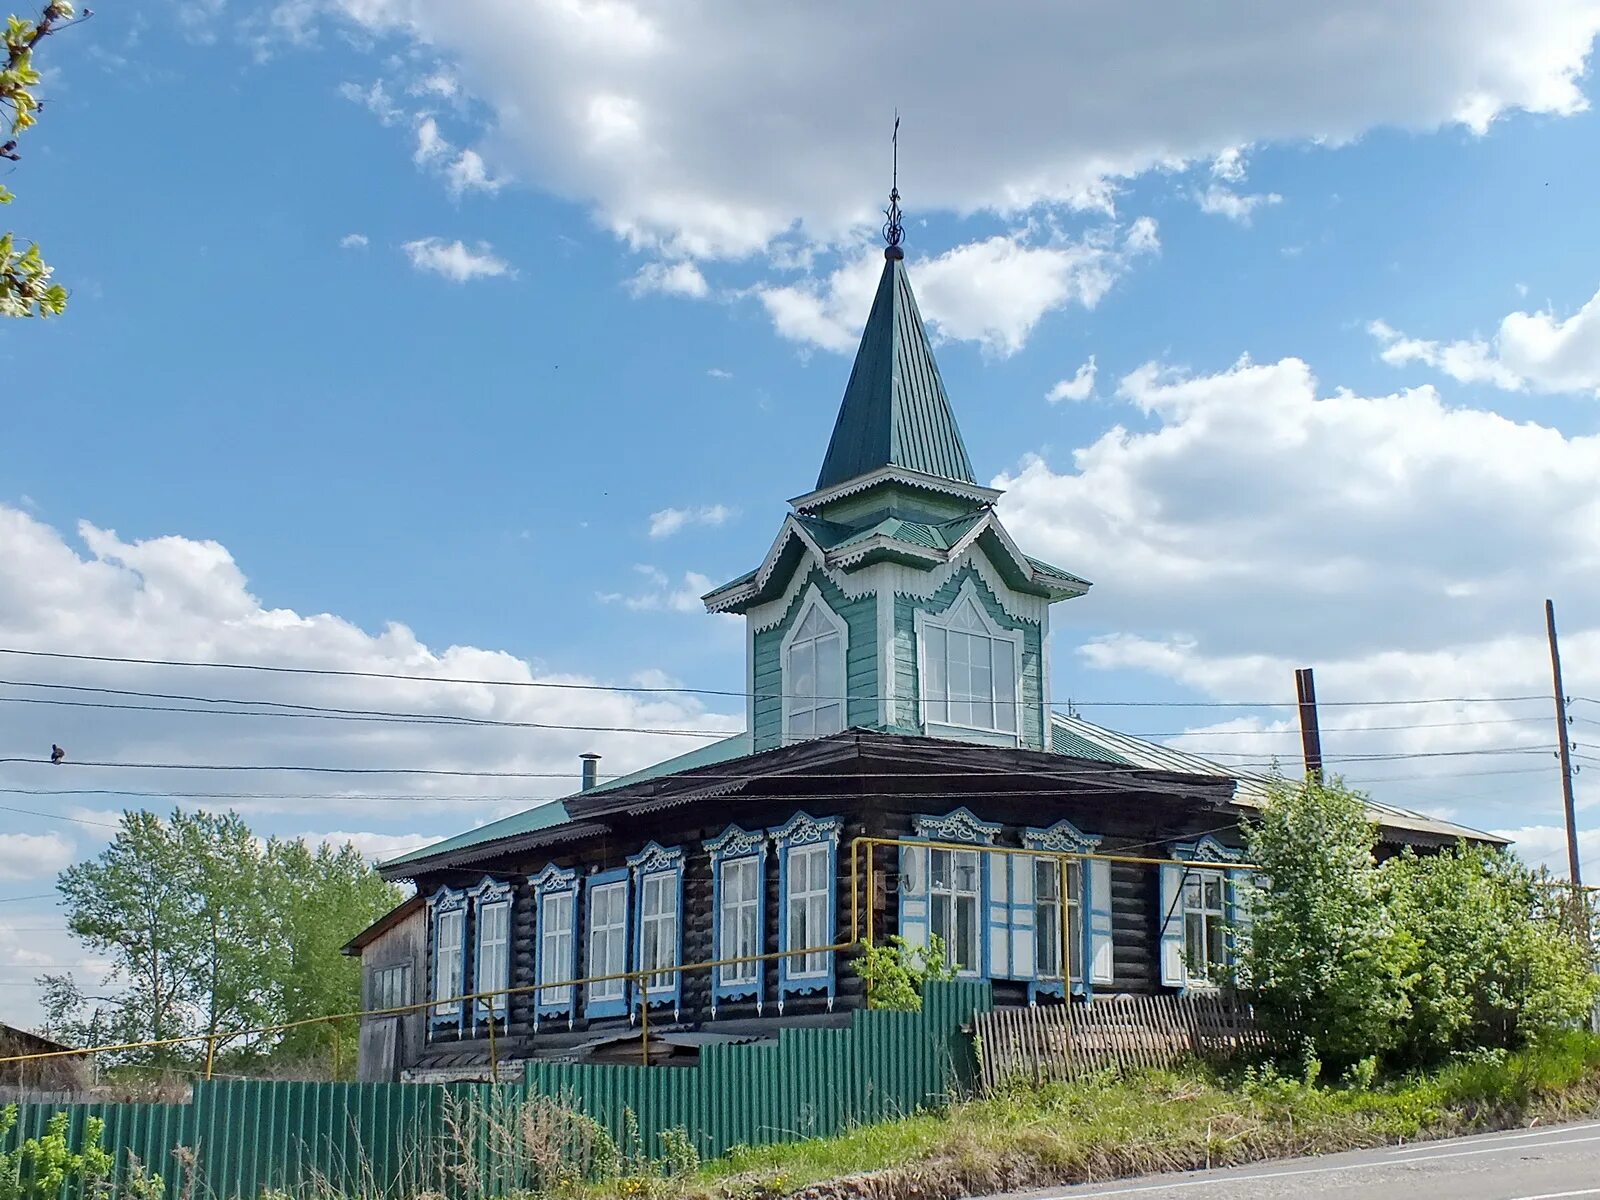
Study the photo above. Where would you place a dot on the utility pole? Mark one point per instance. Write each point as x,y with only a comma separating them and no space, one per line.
1563,749
1305,687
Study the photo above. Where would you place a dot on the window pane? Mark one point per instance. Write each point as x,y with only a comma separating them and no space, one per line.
1005,687
967,932
803,669
934,656
830,668
829,718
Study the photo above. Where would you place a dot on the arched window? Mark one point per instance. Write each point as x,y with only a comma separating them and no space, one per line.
813,673
969,668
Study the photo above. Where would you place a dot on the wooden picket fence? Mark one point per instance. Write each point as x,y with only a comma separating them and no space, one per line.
1067,1041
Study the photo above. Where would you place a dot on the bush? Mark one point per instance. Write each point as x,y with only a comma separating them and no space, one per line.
1488,973
896,973
1325,961
43,1167
1422,959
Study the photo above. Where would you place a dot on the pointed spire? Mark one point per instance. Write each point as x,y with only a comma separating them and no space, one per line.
893,230
895,411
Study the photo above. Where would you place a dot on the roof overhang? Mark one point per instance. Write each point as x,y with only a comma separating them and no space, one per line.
470,856
383,925
913,479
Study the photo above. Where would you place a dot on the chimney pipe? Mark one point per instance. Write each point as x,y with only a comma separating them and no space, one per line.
591,770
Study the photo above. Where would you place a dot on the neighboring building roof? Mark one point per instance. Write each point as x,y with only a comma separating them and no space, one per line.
1251,787
383,924
13,1038
895,410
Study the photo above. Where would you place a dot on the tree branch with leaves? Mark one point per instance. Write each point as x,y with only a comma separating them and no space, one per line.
25,286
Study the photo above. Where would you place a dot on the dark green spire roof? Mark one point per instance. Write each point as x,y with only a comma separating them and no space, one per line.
895,411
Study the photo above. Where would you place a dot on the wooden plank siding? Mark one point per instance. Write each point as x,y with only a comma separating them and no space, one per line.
861,659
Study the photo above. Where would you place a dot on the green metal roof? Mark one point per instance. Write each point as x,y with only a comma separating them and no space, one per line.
895,410
543,816
734,747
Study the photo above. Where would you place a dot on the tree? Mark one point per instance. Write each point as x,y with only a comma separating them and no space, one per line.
210,932
1492,969
1326,964
25,287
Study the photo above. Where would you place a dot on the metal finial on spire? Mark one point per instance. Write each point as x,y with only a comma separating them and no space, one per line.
893,230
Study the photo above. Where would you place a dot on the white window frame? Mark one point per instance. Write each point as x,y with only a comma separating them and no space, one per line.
615,934
739,915
816,902
556,943
948,900
1047,928
795,705
658,929
937,724
447,984
1204,971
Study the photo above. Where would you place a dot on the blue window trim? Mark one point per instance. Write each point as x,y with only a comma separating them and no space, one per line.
491,893
957,826
1203,853
1066,838
799,832
553,881
963,827
738,845
606,1008
655,859
443,902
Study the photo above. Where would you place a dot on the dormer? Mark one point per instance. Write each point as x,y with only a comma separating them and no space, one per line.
892,597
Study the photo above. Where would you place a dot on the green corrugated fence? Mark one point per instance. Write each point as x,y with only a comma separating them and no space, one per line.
386,1139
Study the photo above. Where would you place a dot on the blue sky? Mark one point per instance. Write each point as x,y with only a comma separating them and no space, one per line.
303,421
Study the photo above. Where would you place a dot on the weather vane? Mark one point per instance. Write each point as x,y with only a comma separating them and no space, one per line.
893,231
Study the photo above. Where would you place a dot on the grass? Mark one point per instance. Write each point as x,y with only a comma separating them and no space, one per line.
1115,1126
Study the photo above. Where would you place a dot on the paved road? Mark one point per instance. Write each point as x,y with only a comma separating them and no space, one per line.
1556,1163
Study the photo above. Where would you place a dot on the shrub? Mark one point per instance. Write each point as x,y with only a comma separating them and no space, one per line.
1488,972
1326,964
896,973
42,1167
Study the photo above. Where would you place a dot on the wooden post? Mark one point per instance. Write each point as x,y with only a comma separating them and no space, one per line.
1305,686
644,1019
494,1056
211,1055
1564,751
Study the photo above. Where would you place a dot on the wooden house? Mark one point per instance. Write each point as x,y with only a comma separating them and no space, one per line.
898,683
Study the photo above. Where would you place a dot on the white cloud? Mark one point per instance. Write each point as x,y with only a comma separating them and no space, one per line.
1079,387
33,855
993,292
681,278
439,83
1238,207
672,124
1546,845
178,598
431,144
353,241
375,99
1531,351
467,173
455,261
669,521
661,594
1244,525
713,372
375,847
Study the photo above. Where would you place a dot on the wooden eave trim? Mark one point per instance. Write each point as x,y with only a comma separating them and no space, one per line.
916,479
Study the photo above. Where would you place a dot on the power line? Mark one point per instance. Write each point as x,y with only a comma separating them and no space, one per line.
330,672
330,712
37,896
29,812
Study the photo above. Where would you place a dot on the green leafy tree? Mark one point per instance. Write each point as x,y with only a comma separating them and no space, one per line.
314,894
1493,969
211,931
25,286
1326,964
